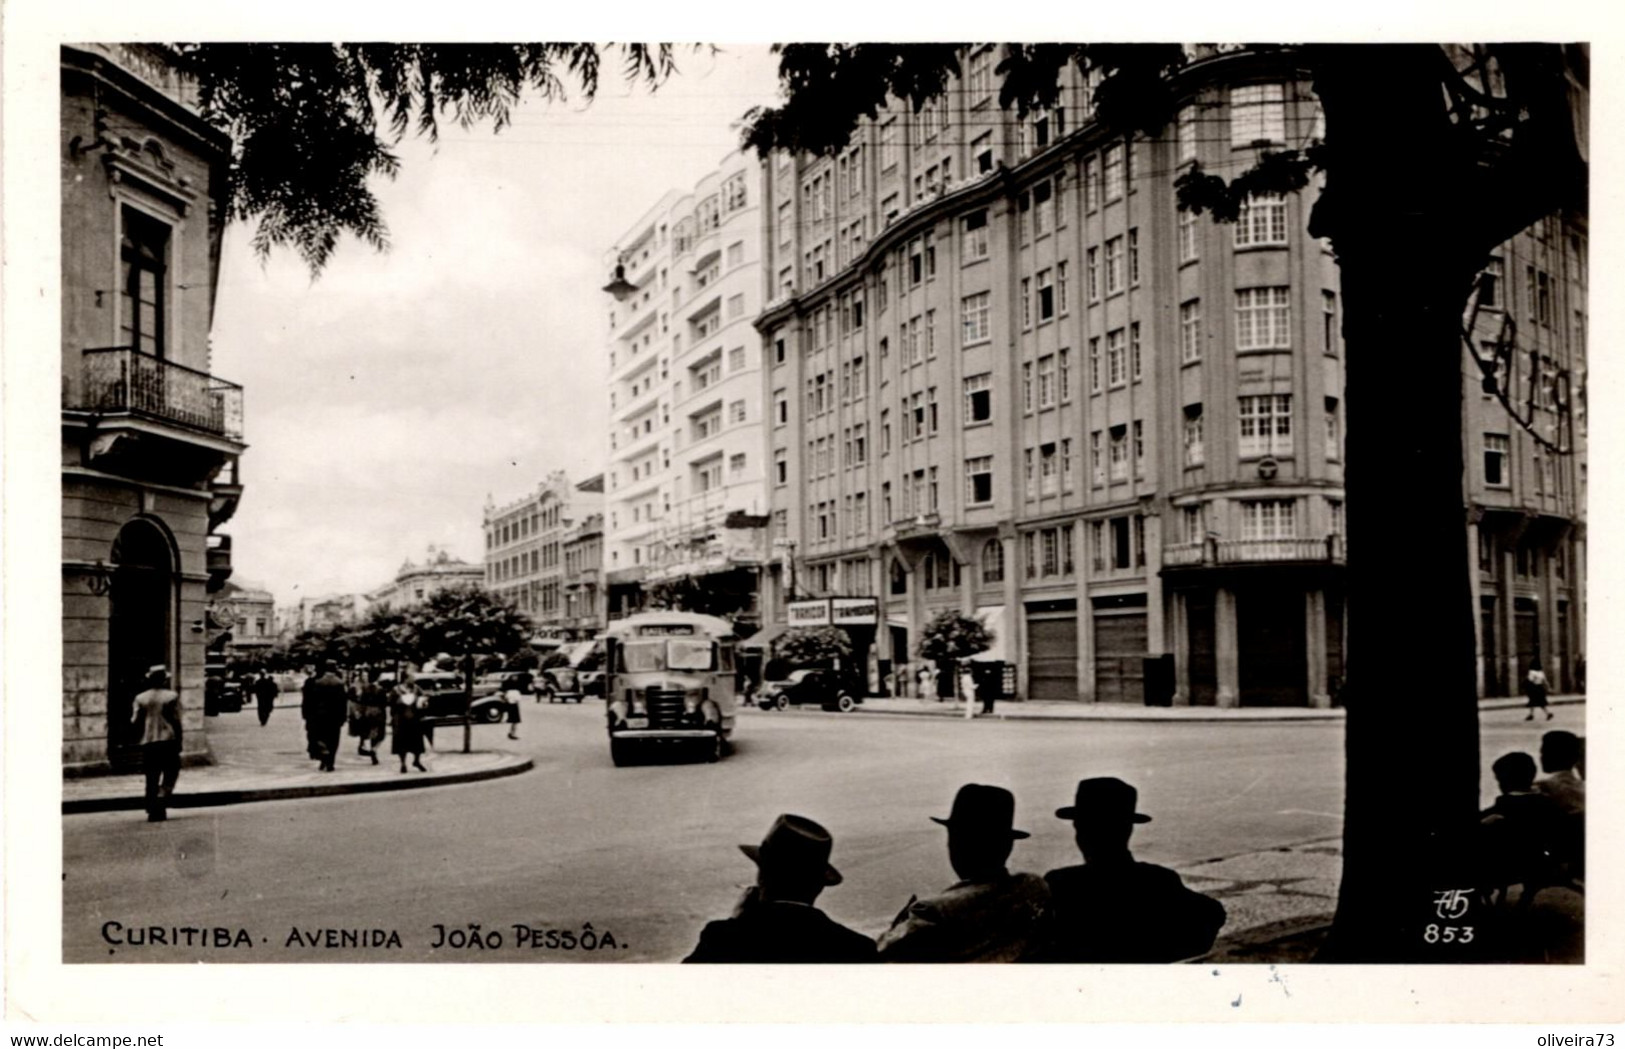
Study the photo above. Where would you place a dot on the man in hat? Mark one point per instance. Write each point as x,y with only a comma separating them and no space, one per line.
329,707
990,914
157,712
776,921
1113,908
265,693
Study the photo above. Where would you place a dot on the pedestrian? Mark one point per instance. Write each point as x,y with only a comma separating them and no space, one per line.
777,921
157,710
329,704
990,914
265,693
307,711
1113,908
1534,686
407,709
371,718
927,681
513,697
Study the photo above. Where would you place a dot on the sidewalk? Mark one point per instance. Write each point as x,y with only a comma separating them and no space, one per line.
1060,710
1278,902
269,764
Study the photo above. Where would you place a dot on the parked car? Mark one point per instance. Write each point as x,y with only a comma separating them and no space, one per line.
567,683
812,685
446,696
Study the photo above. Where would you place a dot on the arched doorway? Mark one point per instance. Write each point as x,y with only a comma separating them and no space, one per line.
140,628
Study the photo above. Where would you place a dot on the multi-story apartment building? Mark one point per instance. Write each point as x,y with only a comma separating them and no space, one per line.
150,439
321,613
415,583
252,614
684,492
585,612
1006,374
524,549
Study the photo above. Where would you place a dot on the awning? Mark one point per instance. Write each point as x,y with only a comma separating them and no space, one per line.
765,637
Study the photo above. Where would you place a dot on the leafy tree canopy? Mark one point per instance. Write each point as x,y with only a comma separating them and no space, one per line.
805,646
464,621
950,635
312,123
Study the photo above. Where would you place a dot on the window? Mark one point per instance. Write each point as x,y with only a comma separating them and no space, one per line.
707,326
1046,296
1257,114
1028,475
736,358
1119,453
708,476
1027,387
1139,448
1048,466
1094,365
930,335
1097,464
1133,257
1134,351
930,245
1187,235
979,398
860,444
778,351
1334,435
973,312
1093,268
1190,330
1116,359
982,151
1335,506
1266,424
931,409
1026,303
736,464
781,407
145,254
706,373
1046,381
1112,165
1263,318
1262,220
1043,209
1328,320
1060,287
1489,283
1186,125
707,424
976,237
1064,374
979,480
1066,464
1496,447
1268,519
992,561
736,412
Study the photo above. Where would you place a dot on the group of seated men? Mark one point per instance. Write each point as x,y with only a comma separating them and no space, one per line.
1110,908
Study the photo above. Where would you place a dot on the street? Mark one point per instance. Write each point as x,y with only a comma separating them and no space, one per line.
648,854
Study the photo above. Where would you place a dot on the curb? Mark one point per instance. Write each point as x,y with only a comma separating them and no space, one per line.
1233,718
207,799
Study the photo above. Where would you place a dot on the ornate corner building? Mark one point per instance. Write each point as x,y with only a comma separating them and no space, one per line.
1004,373
150,438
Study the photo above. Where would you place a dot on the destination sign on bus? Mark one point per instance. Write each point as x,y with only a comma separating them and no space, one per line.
666,630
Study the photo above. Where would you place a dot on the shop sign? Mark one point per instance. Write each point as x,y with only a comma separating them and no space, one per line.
808,613
855,611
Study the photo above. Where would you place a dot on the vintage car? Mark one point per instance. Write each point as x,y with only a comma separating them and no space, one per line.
446,697
810,685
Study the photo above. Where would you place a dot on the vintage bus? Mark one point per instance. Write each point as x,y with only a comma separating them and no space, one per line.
670,681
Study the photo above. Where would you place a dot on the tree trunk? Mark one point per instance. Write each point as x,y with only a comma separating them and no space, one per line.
1393,206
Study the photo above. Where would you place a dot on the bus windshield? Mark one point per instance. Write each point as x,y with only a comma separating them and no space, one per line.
638,657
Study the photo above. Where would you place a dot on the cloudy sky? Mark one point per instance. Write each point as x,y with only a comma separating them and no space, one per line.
387,398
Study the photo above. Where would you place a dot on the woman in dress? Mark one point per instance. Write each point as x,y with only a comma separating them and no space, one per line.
407,710
157,710
371,718
1534,685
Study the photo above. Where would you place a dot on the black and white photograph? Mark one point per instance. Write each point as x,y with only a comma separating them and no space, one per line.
1073,503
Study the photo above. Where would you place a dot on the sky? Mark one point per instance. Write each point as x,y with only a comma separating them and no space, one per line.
386,399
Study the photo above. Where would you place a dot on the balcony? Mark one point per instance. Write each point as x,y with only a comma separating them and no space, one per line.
121,380
218,561
1326,550
917,524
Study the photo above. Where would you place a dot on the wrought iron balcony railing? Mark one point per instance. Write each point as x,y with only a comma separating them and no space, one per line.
120,379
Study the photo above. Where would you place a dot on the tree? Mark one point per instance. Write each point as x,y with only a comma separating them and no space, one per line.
464,622
311,123
951,636
811,645
1428,164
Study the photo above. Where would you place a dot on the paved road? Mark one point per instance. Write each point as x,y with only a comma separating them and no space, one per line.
648,853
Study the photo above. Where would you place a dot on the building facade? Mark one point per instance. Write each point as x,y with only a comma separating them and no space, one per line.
415,583
524,549
150,439
1006,374
251,613
684,496
585,610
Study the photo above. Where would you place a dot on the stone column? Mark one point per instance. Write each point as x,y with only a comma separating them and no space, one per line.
1085,569
1315,626
1015,617
1509,622
1156,627
1226,655
1476,587
1182,649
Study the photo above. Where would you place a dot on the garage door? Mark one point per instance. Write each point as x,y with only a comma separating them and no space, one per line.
1052,658
1120,648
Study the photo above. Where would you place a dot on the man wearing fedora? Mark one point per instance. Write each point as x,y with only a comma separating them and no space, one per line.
776,921
990,914
328,706
1113,908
